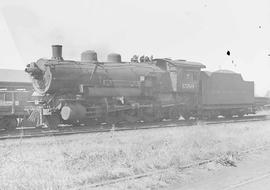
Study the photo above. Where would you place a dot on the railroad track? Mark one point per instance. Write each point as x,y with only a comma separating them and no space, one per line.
183,167
33,132
249,181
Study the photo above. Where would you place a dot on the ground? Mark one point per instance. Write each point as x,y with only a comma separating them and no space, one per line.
253,172
77,161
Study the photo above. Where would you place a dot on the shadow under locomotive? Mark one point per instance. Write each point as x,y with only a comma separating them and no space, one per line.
90,91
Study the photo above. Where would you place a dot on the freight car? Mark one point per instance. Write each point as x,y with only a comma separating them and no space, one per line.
262,103
88,91
15,91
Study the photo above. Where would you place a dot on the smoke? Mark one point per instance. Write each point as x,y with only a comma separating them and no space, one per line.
34,33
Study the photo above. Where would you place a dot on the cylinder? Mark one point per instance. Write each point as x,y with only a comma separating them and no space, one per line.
57,52
73,112
114,58
89,56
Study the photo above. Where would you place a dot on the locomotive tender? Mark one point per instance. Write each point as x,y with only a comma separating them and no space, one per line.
89,91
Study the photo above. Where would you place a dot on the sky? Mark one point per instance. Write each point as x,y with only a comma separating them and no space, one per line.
195,30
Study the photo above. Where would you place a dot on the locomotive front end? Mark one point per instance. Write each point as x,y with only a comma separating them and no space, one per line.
41,76
41,71
56,75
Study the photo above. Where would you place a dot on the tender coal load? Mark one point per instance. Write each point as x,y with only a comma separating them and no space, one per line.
89,56
114,58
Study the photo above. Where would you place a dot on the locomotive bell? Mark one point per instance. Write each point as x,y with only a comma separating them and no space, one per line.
57,52
89,56
114,58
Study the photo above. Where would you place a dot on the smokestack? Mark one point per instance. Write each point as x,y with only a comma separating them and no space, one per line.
57,52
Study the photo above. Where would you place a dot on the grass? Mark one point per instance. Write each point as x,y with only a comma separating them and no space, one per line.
73,161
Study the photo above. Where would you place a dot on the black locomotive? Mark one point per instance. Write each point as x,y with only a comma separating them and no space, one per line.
90,91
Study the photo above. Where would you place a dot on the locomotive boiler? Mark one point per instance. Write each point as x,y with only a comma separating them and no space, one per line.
112,91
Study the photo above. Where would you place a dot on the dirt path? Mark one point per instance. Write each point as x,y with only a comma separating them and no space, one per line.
253,172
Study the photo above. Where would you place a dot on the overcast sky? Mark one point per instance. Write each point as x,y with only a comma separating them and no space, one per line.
196,30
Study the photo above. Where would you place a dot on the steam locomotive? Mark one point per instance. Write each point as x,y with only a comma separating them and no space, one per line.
90,91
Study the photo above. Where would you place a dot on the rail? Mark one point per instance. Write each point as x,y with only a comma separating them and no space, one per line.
66,130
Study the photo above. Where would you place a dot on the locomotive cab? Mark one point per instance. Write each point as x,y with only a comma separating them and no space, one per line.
185,78
184,75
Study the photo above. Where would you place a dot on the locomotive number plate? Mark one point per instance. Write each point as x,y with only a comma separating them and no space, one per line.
188,86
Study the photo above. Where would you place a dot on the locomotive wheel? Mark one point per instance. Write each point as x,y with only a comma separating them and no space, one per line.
2,126
52,121
129,116
208,115
90,122
228,116
112,118
147,115
165,113
186,116
240,115
151,114
174,113
147,118
158,115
